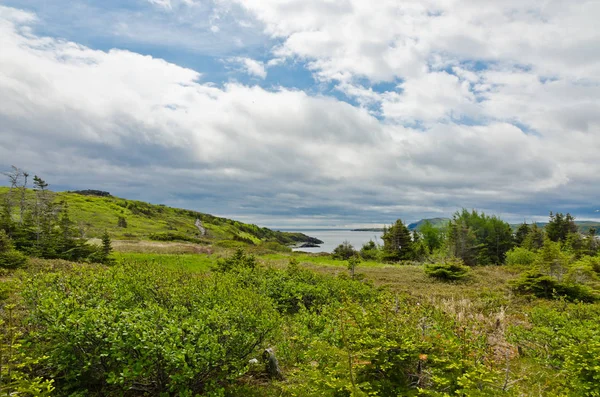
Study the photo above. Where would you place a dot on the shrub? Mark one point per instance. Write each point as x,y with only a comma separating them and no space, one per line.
343,251
274,246
369,251
548,287
9,257
171,236
451,269
12,259
141,329
520,257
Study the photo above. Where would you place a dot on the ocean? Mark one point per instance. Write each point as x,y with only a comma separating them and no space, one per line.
334,237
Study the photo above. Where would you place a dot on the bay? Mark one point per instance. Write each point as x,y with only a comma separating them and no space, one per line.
334,237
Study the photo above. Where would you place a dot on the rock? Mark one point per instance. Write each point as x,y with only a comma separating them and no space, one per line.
272,364
200,227
309,245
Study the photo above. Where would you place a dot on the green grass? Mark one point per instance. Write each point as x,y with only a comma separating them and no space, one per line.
188,262
93,215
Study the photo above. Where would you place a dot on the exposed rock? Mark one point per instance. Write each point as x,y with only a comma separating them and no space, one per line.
309,245
272,364
200,227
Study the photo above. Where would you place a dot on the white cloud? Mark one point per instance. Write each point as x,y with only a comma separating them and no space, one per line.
250,66
129,122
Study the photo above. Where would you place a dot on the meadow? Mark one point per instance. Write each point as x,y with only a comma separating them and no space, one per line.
230,316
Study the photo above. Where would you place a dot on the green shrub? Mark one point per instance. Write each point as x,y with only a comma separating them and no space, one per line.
369,251
548,287
451,269
520,257
274,246
144,329
343,251
12,259
562,339
171,236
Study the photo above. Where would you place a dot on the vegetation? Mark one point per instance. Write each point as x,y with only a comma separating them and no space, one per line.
469,309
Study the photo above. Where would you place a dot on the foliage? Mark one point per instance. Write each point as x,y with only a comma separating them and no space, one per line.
433,236
560,226
534,239
521,233
397,243
343,251
548,287
15,364
520,257
479,239
9,257
563,341
369,251
142,328
451,269
173,236
238,261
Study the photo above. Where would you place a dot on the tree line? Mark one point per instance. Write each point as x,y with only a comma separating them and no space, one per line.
35,223
473,237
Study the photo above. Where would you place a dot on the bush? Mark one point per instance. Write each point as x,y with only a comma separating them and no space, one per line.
145,330
520,257
12,259
274,246
343,251
369,251
9,257
170,236
548,287
451,269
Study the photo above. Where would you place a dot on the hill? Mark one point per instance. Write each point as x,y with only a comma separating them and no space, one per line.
436,222
95,211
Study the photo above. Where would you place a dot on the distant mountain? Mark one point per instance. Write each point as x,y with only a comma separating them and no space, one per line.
436,222
583,226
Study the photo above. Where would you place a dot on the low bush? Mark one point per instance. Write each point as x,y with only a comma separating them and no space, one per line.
343,251
548,287
449,270
520,257
138,328
171,236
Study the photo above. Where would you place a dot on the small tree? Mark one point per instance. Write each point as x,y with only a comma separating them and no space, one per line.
122,222
397,243
343,251
369,251
353,262
9,257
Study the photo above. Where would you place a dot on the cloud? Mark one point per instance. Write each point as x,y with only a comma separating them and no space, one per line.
446,132
250,66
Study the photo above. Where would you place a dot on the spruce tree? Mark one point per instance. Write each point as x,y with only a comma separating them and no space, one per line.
397,243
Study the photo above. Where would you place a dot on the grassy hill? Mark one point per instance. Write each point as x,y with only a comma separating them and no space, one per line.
436,222
94,213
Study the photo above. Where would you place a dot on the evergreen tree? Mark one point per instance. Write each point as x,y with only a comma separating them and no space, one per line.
397,243
534,239
106,248
479,239
521,234
560,226
433,237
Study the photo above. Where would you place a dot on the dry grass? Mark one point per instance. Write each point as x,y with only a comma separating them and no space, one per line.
159,247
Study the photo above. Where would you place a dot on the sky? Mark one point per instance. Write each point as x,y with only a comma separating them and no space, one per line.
309,113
